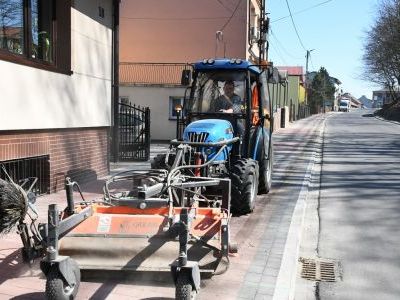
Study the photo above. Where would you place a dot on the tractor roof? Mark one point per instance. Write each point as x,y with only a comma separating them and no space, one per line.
225,64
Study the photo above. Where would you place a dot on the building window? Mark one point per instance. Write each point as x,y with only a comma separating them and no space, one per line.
36,33
12,25
173,102
41,15
124,100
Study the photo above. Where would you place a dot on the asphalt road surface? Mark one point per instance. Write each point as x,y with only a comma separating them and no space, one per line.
360,206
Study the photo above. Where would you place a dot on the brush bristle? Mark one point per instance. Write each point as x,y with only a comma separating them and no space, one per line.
12,206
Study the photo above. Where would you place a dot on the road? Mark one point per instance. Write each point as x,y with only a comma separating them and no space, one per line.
262,238
359,207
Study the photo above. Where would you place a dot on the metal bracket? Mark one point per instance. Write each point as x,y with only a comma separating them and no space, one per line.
63,264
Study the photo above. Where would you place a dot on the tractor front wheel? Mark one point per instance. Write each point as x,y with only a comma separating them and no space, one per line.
158,162
244,174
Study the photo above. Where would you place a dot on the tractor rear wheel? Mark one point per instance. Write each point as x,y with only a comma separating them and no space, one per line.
266,165
244,174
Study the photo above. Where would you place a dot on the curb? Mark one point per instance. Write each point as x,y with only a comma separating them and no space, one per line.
285,287
386,120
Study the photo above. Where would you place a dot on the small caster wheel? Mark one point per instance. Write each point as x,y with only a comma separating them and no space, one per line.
56,286
184,289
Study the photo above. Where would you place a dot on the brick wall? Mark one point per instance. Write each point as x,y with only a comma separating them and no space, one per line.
81,154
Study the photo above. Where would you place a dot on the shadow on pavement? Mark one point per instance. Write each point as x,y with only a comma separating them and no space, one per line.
12,266
157,298
30,296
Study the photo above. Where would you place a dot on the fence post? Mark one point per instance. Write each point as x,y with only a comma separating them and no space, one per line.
147,134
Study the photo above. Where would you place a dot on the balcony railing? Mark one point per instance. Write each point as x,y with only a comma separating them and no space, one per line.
152,73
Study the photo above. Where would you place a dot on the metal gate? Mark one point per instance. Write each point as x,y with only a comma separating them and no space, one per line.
133,132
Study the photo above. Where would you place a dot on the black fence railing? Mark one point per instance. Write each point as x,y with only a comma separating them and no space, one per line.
134,132
30,167
304,111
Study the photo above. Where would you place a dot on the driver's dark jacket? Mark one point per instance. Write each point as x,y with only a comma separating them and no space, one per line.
222,102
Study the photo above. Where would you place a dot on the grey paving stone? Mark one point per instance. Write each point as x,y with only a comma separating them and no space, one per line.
263,297
271,272
252,278
273,265
256,269
248,291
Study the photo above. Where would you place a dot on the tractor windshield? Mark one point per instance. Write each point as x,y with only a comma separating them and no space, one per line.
219,92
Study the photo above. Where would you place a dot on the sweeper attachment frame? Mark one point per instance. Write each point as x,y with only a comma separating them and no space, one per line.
155,220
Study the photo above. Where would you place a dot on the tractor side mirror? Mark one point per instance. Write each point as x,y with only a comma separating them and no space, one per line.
186,77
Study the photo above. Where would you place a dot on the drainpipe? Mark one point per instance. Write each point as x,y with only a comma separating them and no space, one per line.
115,80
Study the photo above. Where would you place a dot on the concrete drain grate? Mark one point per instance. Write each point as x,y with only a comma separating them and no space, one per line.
318,270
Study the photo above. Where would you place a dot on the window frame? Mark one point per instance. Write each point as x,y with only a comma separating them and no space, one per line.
61,33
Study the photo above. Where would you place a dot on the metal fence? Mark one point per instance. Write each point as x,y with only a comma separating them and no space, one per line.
152,73
134,132
30,167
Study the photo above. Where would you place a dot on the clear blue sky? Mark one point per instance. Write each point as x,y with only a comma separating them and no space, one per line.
336,30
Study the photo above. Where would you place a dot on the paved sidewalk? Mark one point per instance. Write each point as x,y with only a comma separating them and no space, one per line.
262,237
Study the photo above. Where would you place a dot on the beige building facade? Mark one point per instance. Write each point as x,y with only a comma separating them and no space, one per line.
56,94
178,32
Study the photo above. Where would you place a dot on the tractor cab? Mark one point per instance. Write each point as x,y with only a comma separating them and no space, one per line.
232,90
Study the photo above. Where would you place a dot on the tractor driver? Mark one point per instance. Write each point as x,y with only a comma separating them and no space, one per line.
229,102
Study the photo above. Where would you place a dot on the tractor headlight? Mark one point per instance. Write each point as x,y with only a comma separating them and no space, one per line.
209,61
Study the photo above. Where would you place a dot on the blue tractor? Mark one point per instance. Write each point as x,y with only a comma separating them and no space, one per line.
226,121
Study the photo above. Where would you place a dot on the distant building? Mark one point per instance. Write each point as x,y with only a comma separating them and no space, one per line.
354,102
296,90
381,97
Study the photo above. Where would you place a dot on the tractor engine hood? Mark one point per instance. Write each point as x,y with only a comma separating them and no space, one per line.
210,131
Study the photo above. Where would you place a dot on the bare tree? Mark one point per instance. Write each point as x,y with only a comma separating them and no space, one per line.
382,48
10,18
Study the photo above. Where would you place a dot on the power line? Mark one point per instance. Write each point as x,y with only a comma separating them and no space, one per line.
294,26
281,46
276,50
233,13
301,11
224,5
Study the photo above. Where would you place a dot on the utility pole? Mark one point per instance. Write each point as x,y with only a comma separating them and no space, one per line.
263,39
308,52
307,58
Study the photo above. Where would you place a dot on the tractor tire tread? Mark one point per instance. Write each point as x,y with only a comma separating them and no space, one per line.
158,162
242,174
264,183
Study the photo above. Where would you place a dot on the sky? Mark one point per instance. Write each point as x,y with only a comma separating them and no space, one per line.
336,30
